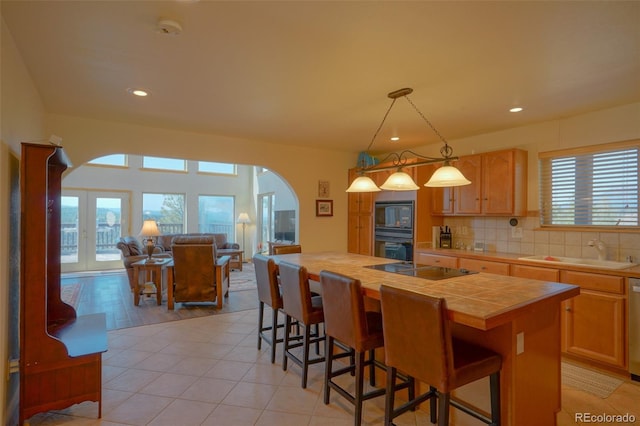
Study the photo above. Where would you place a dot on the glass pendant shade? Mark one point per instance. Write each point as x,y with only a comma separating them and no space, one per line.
399,181
363,184
447,176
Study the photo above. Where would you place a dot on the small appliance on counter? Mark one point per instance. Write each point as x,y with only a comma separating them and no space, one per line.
445,237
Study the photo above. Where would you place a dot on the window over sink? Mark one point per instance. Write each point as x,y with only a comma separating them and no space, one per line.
594,186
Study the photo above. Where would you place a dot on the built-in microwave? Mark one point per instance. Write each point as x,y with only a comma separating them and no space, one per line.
394,214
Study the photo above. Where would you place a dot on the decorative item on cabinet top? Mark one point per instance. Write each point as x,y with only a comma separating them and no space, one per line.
445,176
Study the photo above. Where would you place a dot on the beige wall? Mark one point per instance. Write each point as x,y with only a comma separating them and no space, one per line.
302,168
21,119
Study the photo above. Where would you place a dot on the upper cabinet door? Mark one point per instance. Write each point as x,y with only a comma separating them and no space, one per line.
504,183
467,198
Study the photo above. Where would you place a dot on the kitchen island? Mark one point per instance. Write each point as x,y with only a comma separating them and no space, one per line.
516,317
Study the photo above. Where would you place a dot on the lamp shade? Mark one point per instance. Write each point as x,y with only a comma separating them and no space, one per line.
243,218
399,181
447,176
149,229
363,184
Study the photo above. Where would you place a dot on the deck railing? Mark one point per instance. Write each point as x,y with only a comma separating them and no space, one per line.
107,236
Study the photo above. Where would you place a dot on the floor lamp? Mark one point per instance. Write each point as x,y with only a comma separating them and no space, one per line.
243,218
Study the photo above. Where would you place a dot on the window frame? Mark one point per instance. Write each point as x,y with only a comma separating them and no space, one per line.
545,181
164,170
115,166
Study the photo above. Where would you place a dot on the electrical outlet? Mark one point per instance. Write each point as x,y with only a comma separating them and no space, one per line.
516,232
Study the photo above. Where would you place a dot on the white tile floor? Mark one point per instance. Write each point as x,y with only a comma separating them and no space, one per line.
208,371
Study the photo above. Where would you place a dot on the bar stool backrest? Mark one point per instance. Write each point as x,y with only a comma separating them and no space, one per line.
296,296
417,335
344,313
267,281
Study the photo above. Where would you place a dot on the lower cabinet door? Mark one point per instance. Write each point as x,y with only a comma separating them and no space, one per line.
594,327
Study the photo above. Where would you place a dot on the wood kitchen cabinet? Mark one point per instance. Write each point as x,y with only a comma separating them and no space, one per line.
498,186
593,323
487,266
360,220
535,273
436,260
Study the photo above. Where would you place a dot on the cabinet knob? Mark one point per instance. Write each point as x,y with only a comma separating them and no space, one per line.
567,309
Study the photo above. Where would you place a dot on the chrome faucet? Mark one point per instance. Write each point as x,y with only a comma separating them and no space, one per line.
600,247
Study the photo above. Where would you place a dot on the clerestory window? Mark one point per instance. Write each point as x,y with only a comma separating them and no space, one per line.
590,186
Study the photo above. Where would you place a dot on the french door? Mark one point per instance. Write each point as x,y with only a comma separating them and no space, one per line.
92,223
266,226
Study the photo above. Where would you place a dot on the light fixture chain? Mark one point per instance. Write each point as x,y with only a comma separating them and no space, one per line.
381,124
446,150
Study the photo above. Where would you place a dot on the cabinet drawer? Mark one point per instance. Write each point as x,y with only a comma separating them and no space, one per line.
435,260
597,282
485,266
535,273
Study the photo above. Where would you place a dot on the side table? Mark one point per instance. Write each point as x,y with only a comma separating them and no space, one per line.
155,271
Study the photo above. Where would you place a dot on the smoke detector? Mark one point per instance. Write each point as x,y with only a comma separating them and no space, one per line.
169,27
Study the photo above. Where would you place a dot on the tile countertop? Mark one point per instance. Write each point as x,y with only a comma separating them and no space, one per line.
482,301
632,272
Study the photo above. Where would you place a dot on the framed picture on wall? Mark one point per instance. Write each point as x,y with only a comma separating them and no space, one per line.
324,207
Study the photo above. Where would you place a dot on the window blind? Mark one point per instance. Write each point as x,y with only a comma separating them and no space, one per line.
597,188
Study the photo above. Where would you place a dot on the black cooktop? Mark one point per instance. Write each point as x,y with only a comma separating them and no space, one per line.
421,271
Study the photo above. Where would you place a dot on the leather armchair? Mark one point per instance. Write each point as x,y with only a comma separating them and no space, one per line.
194,260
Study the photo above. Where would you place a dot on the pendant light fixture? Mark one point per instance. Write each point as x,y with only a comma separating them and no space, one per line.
445,176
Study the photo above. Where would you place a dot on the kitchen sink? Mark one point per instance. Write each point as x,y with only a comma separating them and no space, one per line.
587,263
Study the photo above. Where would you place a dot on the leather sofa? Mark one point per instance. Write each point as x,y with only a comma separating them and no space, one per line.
220,240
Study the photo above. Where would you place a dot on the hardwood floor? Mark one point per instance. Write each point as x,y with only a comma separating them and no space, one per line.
109,292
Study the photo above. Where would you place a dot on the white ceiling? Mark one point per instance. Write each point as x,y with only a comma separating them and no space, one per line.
318,73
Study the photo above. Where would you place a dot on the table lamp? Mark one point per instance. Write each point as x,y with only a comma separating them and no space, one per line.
149,230
243,218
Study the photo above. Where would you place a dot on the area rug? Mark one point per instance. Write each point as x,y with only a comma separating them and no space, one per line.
243,280
595,383
70,293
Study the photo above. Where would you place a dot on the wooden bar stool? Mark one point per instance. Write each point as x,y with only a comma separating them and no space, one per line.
346,321
299,304
418,342
268,294
287,248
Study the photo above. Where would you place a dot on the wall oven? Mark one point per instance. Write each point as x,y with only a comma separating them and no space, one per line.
393,235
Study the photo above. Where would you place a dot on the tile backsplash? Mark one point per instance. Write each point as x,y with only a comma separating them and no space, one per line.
527,238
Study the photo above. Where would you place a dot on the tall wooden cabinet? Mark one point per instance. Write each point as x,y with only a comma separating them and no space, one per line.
360,220
60,353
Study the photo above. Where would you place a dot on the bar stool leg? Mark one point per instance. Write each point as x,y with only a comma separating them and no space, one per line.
494,381
443,409
287,331
359,387
274,334
305,355
260,319
389,395
328,368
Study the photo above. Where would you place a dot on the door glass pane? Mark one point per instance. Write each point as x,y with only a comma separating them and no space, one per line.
108,229
69,230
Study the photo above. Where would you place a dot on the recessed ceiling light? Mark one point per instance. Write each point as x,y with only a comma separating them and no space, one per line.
138,92
515,109
395,139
